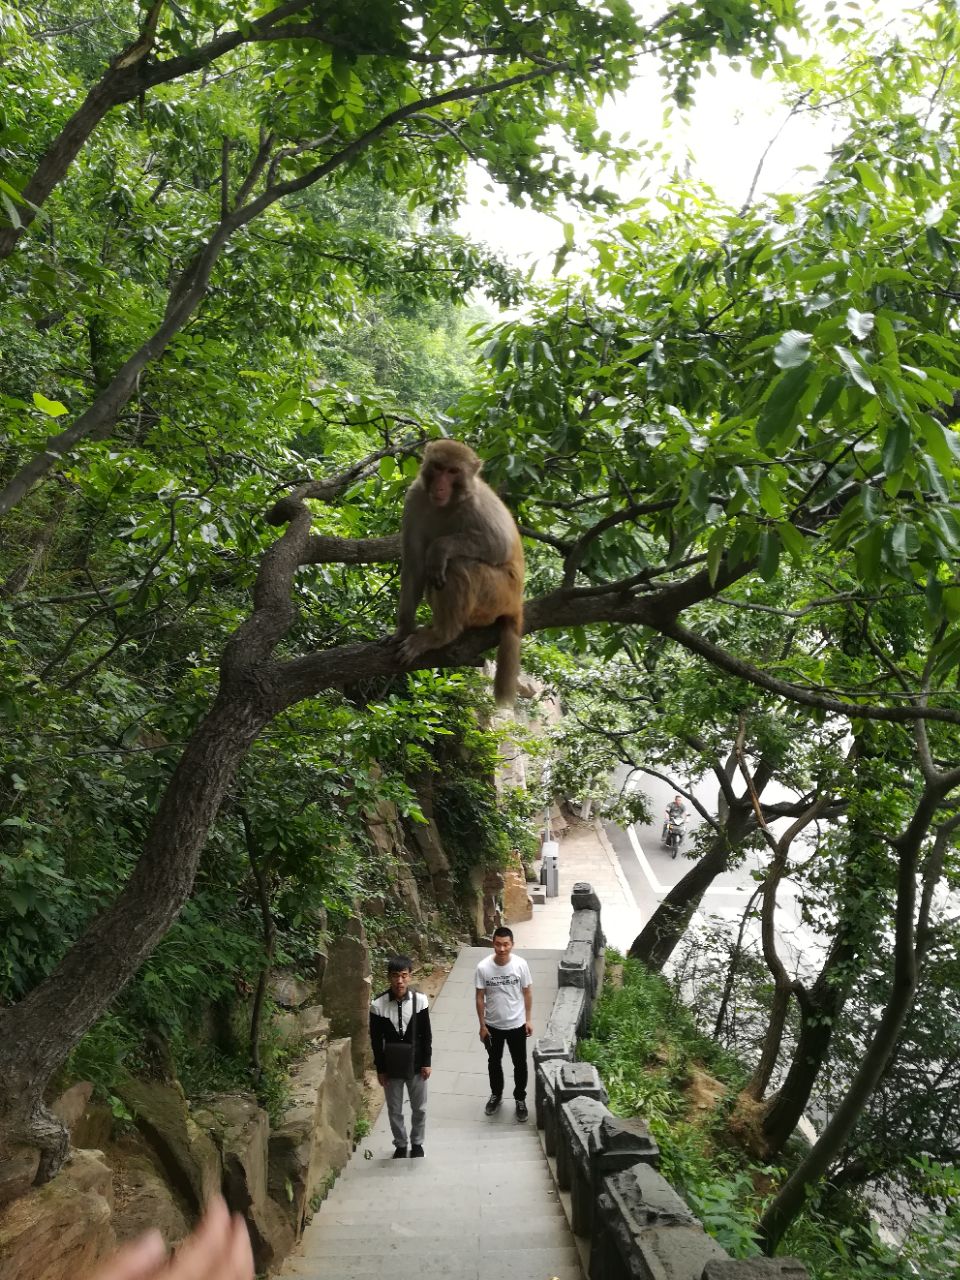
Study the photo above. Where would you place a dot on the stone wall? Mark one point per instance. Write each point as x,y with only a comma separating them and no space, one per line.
632,1222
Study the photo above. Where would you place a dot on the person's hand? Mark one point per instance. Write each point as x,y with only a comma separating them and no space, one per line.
382,1077
426,1072
144,1257
529,1028
218,1249
484,1032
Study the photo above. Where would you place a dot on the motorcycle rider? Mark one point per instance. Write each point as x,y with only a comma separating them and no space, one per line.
676,816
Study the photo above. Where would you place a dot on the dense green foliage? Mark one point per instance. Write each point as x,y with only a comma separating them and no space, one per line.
650,1055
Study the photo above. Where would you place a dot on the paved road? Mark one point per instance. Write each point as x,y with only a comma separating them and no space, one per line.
651,872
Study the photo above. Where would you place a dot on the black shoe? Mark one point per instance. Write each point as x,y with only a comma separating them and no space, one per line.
416,1149
493,1104
521,1110
400,1153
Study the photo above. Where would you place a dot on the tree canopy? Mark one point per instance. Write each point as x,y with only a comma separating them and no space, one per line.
230,298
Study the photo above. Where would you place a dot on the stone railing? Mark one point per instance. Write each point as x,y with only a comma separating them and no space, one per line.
634,1224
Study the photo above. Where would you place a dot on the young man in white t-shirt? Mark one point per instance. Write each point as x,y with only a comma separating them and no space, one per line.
505,1007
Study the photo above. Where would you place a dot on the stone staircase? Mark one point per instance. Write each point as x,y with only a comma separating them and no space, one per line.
481,1203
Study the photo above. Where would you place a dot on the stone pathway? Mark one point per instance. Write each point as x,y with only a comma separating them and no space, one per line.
585,854
482,1202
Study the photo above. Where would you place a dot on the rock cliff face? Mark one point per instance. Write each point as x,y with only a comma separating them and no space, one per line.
59,1231
179,1156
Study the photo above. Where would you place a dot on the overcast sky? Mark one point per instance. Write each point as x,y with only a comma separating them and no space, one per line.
721,138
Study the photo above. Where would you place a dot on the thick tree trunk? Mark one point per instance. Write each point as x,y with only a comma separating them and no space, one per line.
833,1140
907,950
819,1009
37,1034
656,942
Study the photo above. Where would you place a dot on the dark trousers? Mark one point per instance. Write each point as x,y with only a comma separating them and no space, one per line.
516,1041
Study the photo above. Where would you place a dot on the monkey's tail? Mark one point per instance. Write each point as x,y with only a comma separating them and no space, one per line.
508,661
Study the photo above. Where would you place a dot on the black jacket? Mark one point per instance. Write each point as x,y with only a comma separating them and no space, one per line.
383,1028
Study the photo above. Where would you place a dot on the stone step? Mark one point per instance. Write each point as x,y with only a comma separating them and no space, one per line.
374,1240
396,1222
392,1190
517,1264
419,1180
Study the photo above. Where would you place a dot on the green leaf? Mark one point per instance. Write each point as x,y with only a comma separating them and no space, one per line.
828,397
868,552
19,900
793,540
951,603
52,408
792,349
896,445
715,553
770,497
769,555
856,369
870,178
778,412
886,337
860,323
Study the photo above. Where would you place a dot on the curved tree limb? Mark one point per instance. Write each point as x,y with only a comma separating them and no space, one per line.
746,671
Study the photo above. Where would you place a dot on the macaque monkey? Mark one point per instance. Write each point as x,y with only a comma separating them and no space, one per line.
461,545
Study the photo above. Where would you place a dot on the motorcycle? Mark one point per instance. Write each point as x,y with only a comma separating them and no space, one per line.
673,832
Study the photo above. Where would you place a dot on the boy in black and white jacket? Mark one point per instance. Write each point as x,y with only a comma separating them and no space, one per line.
402,1050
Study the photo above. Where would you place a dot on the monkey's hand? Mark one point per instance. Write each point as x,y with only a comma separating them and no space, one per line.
436,566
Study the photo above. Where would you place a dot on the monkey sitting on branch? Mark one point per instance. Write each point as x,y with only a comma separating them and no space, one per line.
461,545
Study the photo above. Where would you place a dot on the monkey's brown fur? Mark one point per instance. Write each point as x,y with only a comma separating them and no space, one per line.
461,545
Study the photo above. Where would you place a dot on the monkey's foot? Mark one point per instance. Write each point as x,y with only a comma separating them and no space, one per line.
415,645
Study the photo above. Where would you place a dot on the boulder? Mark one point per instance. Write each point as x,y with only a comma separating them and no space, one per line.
189,1158
315,1134
406,893
529,687
289,991
481,902
144,1198
240,1129
295,1025
60,1230
90,1123
426,839
346,991
517,905
71,1104
511,772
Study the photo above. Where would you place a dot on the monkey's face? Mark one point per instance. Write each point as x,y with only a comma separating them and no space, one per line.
444,484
